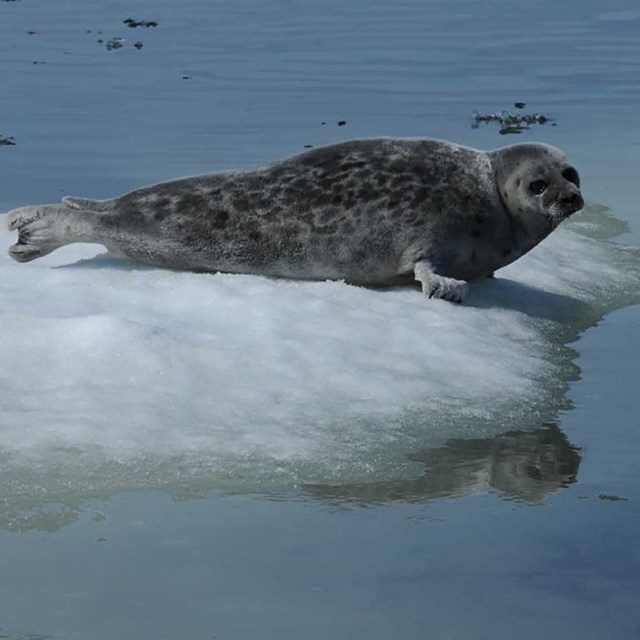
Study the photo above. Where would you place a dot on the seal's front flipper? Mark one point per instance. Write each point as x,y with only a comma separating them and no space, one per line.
435,286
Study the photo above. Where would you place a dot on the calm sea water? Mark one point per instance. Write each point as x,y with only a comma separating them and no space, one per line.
525,534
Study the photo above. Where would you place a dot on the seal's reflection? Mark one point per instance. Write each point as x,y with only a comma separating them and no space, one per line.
521,465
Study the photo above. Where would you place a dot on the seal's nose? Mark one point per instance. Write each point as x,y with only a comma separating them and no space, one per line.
572,202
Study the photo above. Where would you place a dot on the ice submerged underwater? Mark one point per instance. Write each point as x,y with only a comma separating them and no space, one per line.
118,375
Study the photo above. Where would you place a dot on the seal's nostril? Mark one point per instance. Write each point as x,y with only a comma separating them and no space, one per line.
572,201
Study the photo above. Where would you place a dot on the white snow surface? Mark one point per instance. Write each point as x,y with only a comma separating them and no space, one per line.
112,369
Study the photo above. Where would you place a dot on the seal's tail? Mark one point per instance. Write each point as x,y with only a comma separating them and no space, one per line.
41,229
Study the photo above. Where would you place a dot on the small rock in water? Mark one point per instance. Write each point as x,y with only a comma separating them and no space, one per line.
510,122
114,43
610,498
341,123
134,24
7,141
138,45
519,105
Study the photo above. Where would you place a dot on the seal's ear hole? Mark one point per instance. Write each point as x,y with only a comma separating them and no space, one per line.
571,175
538,186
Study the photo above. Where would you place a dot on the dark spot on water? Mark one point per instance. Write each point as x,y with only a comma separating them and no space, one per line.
114,43
341,123
138,45
186,77
134,24
308,146
510,122
610,498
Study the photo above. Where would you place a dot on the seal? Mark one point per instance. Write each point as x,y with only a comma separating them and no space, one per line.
376,212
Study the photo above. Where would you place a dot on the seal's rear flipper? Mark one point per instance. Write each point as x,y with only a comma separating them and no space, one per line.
436,286
42,229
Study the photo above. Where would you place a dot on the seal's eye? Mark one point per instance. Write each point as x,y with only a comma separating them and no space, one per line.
571,175
538,186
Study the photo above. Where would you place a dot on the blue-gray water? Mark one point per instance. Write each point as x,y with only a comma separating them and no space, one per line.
482,542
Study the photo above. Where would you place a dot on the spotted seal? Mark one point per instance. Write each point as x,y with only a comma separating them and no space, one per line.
371,212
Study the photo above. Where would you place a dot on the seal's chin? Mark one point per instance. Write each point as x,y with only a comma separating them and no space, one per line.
557,212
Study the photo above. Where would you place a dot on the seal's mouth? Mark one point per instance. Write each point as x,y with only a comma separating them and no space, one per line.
565,206
575,203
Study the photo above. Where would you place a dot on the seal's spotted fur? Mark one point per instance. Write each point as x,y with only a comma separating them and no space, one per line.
374,212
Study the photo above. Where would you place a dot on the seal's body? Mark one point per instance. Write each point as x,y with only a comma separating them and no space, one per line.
374,212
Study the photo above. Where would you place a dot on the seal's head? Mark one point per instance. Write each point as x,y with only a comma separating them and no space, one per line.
537,184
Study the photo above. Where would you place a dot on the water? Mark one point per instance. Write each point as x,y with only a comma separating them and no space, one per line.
195,456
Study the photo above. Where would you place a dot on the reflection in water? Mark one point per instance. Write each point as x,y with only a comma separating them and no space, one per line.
48,518
28,636
524,465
